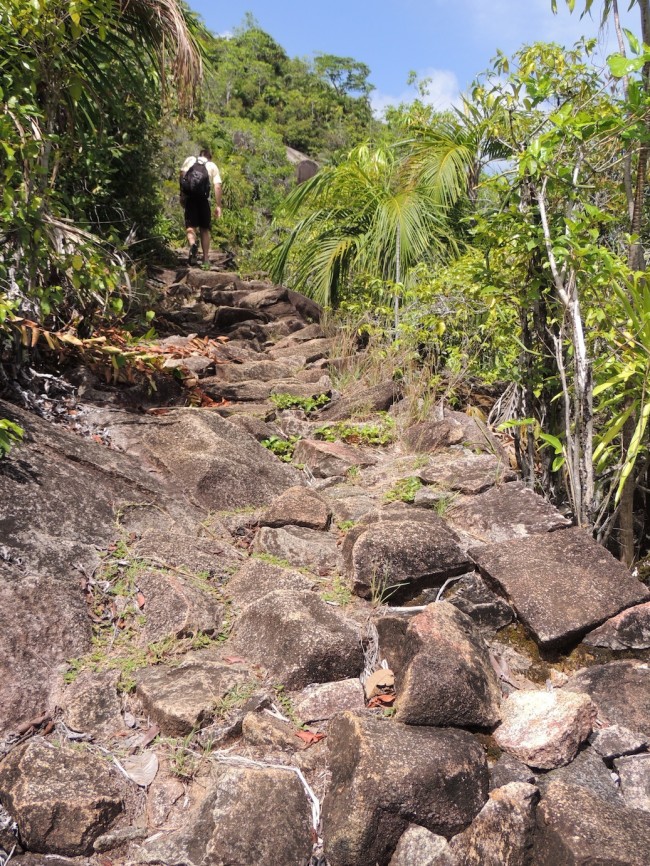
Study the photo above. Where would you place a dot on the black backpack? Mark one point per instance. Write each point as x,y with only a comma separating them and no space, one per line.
195,183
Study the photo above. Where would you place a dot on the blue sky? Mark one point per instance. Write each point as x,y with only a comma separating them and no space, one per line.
448,41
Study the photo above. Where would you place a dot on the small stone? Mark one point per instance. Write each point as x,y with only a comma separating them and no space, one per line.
264,730
91,704
508,769
298,546
321,702
326,459
419,847
298,506
544,729
634,772
615,741
62,798
627,630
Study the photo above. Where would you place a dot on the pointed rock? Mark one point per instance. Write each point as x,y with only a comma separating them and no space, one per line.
627,630
443,672
502,832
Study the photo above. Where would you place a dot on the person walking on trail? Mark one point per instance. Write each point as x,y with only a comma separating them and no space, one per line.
198,176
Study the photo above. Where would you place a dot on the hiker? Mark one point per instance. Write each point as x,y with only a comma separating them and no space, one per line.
198,175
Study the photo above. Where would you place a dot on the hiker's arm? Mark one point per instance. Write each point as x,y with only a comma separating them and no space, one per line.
182,194
217,200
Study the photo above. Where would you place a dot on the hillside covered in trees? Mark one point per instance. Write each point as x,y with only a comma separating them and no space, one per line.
501,242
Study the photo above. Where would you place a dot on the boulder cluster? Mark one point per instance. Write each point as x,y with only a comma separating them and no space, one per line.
294,626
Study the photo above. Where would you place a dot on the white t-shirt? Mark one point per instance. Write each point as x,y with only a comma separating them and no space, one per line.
213,171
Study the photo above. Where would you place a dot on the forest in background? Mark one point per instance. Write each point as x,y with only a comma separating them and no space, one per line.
503,242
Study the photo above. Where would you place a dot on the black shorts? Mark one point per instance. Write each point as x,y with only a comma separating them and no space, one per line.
198,213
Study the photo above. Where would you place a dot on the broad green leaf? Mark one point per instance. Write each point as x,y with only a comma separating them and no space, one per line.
635,45
621,66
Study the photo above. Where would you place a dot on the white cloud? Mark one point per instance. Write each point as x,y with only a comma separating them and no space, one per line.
442,91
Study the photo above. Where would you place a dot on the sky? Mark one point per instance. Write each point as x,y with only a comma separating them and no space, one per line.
447,41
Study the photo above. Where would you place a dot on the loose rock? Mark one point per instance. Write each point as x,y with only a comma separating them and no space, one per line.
298,546
634,772
61,798
321,702
419,846
443,671
628,630
299,506
620,690
544,729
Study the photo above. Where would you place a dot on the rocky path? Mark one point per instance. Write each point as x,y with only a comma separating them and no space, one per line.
291,626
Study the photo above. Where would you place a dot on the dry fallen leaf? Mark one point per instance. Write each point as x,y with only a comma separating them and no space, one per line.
379,682
141,769
140,600
309,738
381,701
234,660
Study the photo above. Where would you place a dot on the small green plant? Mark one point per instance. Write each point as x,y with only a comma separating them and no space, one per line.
272,560
339,592
353,473
293,401
235,697
286,705
381,590
381,432
346,525
10,433
404,490
282,448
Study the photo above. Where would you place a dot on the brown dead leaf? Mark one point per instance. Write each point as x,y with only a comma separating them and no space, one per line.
234,660
309,738
140,600
381,701
379,682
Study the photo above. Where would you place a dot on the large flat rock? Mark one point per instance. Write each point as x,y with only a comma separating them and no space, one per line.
504,513
561,584
465,473
620,690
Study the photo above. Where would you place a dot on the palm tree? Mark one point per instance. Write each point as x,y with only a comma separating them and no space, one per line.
364,215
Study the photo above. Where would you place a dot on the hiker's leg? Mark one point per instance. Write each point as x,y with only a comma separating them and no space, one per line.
191,237
205,244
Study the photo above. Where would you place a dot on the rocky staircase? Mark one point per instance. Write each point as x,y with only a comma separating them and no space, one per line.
378,647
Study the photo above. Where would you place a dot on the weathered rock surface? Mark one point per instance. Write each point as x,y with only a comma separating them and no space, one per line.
250,816
180,699
219,466
298,506
561,584
615,741
401,549
176,605
298,546
487,610
298,638
504,513
620,690
587,770
469,474
90,704
443,672
255,578
377,398
577,828
386,776
502,832
321,702
628,630
544,729
508,769
431,435
265,731
634,772
417,845
61,798
326,459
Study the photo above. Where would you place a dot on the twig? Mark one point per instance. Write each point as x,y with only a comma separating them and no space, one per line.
446,584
